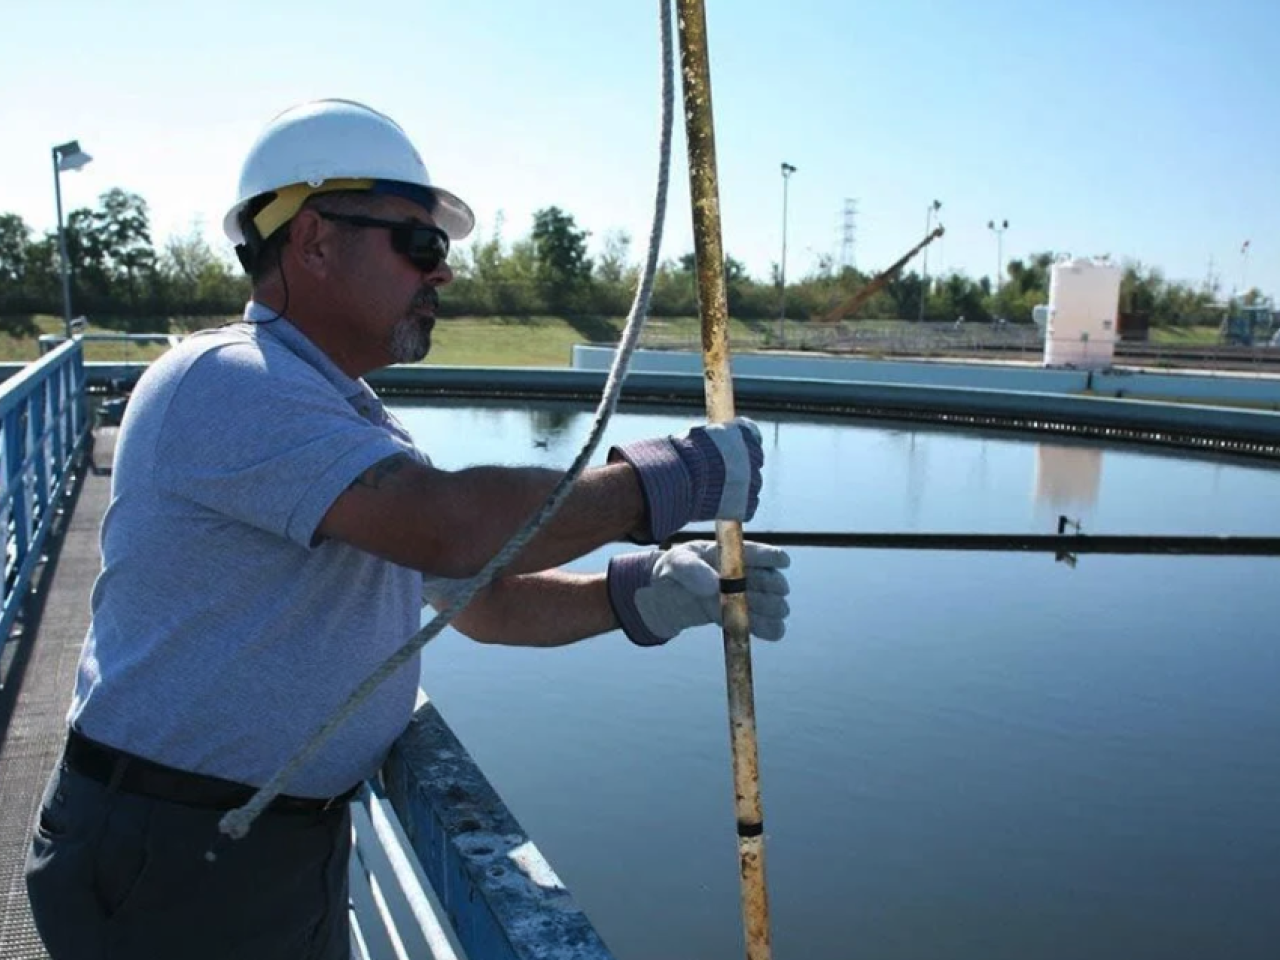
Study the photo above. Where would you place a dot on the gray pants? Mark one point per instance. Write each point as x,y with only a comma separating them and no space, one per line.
115,875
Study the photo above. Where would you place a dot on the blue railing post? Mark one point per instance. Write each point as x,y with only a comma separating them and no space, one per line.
38,409
15,434
57,407
77,398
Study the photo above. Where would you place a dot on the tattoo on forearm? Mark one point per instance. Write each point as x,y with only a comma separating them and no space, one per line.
376,475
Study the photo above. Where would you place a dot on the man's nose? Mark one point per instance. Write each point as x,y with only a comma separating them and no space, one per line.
441,275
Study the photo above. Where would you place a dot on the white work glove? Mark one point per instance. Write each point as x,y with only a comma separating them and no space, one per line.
658,593
707,473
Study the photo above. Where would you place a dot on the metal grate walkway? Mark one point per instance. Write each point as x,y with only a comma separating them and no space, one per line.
36,675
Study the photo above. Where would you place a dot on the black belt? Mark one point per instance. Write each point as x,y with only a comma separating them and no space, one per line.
137,775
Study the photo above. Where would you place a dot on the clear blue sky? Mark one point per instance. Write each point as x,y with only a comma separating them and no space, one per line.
1138,128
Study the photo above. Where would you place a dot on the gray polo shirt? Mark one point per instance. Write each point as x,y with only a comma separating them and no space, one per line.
222,637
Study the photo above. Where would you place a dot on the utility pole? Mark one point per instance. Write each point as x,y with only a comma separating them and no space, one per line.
932,209
787,171
999,230
66,156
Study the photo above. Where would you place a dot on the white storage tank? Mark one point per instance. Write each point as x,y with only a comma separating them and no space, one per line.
1084,301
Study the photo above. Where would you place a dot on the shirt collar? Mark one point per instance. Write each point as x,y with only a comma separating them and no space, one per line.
267,321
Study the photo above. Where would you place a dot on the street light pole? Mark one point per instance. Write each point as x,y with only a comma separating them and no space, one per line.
66,156
999,232
787,171
924,267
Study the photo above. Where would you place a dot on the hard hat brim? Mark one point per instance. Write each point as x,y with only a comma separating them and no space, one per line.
448,211
453,215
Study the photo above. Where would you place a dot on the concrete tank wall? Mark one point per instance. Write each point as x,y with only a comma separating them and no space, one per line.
1253,391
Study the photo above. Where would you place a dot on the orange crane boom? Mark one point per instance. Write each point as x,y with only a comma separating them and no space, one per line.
852,303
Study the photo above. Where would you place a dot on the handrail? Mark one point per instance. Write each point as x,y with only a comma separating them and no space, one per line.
50,341
43,426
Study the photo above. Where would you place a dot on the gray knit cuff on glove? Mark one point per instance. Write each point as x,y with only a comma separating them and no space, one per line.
628,573
681,478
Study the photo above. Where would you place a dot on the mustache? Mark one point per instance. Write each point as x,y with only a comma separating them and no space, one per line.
427,297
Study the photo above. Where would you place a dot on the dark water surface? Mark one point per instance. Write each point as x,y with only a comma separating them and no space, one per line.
963,755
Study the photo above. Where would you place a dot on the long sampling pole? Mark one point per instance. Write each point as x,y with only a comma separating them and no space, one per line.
713,306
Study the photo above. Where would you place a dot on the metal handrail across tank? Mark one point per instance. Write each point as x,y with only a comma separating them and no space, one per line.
44,421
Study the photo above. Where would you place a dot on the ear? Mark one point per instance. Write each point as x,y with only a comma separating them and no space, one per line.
313,244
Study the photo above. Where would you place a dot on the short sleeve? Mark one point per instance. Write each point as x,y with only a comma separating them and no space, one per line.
263,438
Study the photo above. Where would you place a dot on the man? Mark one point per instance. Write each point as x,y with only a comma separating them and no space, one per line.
269,537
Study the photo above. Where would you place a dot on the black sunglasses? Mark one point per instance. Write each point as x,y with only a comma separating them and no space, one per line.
424,246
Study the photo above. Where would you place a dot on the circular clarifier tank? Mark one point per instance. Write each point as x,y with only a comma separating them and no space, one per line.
963,755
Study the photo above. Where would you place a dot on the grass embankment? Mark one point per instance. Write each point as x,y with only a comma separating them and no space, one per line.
504,341
549,341
1186,336
457,341
20,341
514,341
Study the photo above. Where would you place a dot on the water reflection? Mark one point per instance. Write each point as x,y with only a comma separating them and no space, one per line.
550,426
1067,476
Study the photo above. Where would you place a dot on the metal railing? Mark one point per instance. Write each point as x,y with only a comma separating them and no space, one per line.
44,423
393,913
51,341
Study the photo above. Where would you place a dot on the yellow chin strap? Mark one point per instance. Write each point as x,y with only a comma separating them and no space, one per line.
289,200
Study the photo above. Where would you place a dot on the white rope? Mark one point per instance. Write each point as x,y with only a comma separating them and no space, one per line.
236,823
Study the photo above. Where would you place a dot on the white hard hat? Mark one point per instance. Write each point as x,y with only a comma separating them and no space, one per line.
328,145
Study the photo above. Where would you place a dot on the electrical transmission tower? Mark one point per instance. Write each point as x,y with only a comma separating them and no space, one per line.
847,232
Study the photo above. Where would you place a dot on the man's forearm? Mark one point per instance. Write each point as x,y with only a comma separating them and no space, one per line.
547,609
450,524
604,506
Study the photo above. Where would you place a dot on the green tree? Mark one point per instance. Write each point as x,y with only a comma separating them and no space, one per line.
194,281
740,289
1032,275
613,264
86,260
17,292
962,298
905,290
1182,305
124,225
615,277
675,289
1140,289
42,283
1025,286
15,237
113,264
563,268
494,280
